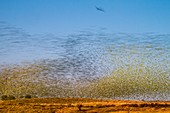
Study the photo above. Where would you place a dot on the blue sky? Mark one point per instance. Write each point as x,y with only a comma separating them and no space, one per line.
67,16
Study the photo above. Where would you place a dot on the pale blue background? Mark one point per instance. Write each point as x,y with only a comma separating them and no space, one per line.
67,16
49,29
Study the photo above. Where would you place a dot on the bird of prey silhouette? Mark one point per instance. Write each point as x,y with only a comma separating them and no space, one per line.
100,9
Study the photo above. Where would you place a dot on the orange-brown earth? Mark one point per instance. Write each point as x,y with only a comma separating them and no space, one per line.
79,105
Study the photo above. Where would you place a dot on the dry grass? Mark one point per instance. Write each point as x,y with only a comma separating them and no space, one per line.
70,105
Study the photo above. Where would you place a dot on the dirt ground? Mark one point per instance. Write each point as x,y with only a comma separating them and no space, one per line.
79,105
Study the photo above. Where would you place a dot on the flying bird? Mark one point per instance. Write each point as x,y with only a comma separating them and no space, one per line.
100,9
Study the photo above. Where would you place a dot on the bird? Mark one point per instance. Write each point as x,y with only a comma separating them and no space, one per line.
100,9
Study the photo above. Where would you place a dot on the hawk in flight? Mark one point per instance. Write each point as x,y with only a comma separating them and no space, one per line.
100,9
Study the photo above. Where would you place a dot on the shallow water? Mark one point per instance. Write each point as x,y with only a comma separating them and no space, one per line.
87,53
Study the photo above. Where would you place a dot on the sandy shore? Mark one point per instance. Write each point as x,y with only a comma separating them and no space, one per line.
78,105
